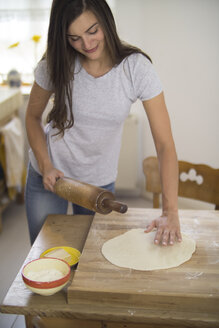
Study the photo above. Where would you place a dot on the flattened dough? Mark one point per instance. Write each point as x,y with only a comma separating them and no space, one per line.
135,249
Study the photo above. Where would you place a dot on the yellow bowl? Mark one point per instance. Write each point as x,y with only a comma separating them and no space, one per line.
75,254
46,276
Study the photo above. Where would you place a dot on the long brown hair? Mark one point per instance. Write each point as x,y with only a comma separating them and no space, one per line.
61,56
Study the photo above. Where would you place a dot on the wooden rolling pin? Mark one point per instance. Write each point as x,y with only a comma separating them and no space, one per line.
91,197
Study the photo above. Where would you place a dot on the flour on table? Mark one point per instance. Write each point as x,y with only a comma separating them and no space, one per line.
135,249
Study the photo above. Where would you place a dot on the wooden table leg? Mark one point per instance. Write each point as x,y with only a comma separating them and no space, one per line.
29,321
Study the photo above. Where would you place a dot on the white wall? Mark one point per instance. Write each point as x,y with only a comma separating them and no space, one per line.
182,38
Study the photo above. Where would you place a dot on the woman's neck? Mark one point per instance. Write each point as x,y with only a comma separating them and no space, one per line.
97,67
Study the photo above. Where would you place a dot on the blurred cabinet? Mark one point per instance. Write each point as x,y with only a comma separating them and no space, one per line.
10,102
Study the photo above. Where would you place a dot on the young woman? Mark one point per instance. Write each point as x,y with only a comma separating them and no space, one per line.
95,78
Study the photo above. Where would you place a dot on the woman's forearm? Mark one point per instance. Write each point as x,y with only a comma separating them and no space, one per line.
168,164
161,130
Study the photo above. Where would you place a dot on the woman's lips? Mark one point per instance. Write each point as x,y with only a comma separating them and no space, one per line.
91,50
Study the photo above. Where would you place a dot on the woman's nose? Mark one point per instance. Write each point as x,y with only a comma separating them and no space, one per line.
86,43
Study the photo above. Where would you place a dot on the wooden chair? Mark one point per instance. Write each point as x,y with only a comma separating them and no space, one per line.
196,181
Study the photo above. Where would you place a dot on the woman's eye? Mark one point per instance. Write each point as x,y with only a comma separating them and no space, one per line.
93,32
74,39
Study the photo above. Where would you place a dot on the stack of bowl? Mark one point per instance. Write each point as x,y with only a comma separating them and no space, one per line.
48,275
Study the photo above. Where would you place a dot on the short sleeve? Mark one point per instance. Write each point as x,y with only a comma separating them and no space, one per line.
41,76
146,82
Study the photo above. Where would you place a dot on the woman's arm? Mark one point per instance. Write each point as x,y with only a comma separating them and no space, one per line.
38,100
168,226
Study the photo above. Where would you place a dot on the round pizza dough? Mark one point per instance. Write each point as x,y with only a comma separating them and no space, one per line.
135,249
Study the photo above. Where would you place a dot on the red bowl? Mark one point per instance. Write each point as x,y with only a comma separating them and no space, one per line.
46,285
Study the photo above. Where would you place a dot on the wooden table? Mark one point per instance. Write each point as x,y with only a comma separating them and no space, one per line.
103,295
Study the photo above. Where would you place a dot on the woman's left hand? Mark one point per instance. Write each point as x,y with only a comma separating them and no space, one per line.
168,229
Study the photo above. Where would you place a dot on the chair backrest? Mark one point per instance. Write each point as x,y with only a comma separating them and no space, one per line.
196,181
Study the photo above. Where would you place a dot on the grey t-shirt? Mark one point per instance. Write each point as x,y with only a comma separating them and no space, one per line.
89,151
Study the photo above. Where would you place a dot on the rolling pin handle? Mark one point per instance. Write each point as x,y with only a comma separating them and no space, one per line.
114,205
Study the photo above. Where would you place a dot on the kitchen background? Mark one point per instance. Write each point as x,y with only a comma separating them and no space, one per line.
182,38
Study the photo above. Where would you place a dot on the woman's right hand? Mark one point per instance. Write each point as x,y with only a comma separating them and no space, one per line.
50,176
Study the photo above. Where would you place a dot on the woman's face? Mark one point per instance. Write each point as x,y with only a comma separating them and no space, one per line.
86,36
